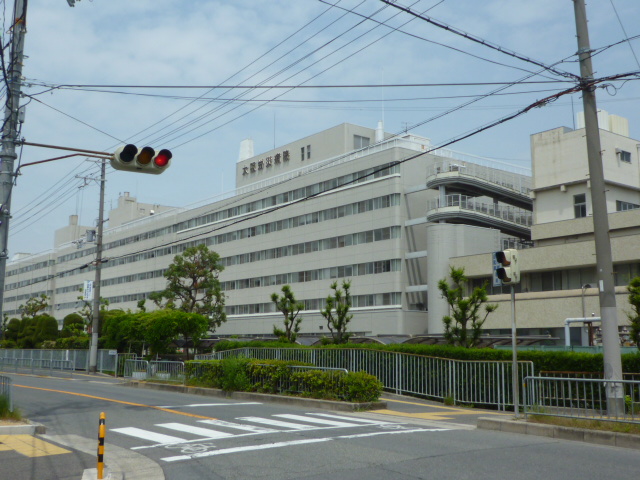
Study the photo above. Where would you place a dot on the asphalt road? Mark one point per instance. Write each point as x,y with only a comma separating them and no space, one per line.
163,435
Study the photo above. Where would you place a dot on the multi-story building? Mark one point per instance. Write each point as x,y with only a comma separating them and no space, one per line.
559,274
346,203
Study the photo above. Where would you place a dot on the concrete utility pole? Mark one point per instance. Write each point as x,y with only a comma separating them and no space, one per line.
604,260
95,325
10,131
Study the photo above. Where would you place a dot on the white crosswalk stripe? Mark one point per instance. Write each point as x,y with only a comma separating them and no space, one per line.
239,426
147,435
321,421
203,432
277,423
265,425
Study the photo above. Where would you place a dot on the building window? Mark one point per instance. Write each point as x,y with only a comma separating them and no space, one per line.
308,152
302,153
360,141
623,155
624,206
580,205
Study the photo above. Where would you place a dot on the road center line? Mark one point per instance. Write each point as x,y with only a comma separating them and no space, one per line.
113,400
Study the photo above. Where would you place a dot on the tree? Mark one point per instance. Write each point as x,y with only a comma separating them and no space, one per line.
338,321
290,308
73,326
46,328
193,285
634,317
34,306
86,311
124,331
163,326
457,329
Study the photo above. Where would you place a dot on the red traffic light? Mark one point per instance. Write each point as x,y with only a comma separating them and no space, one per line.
145,160
162,159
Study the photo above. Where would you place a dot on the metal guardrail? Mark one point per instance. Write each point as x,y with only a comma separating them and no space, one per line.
584,398
518,182
465,202
138,369
106,361
6,390
36,364
470,382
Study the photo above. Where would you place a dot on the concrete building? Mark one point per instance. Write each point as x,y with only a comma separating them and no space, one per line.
345,203
354,203
559,274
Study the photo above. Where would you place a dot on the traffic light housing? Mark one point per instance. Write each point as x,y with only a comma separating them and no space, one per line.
144,160
507,266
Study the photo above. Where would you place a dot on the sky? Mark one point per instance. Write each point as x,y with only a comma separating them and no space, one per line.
112,51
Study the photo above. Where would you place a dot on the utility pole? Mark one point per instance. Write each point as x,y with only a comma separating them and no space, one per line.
10,131
604,260
95,325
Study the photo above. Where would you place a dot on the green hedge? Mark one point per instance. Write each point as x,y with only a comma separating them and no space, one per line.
542,360
275,376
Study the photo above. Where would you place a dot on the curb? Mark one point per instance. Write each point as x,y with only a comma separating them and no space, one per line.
262,397
612,439
29,429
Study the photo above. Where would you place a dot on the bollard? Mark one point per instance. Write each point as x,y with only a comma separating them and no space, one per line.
101,432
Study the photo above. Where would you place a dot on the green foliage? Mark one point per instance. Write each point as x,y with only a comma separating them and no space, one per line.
193,285
73,343
290,308
634,317
32,307
271,376
13,330
234,375
46,328
161,327
5,413
124,331
338,321
73,326
464,326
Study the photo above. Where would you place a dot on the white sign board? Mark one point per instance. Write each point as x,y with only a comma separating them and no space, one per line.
87,290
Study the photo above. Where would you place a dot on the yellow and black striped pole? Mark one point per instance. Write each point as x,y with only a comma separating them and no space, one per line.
102,430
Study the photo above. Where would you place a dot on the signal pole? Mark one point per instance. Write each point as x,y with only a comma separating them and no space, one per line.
604,260
10,132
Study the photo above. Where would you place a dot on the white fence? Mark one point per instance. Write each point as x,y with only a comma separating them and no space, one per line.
63,360
470,382
154,370
585,398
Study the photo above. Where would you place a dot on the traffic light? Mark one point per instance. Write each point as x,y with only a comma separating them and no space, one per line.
506,267
144,160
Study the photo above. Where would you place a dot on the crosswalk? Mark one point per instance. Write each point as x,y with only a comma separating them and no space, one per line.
203,438
218,429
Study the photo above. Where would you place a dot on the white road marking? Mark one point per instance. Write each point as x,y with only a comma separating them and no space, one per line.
278,423
203,432
249,448
147,435
353,419
194,405
239,426
321,421
245,449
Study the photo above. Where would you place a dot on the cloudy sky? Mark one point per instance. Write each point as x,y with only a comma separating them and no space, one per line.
108,47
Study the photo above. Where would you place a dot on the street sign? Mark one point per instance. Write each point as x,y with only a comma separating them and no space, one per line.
87,291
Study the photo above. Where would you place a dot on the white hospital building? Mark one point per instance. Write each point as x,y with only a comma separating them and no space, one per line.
355,203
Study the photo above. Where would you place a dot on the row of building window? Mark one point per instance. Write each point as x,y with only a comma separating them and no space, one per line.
27,296
285,197
30,268
357,301
341,241
346,271
364,206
